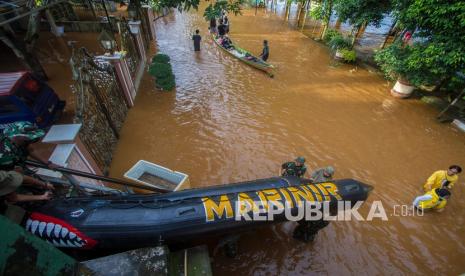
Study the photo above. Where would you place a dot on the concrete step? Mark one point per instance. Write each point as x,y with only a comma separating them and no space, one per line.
141,262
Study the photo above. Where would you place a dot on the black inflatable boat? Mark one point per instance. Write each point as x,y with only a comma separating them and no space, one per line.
133,221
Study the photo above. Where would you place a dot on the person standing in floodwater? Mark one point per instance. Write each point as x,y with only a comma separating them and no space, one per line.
221,28
196,38
266,51
443,178
296,168
226,23
213,25
322,175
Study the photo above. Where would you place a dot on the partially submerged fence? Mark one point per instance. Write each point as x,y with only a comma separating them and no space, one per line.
100,105
128,44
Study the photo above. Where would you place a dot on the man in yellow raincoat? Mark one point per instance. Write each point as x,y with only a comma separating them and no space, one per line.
435,199
443,178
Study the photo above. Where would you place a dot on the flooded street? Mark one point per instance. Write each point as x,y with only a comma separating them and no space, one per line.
228,122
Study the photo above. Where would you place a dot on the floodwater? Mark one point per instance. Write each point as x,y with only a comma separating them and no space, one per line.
228,122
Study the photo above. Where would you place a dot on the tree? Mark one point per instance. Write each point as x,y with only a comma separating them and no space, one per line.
437,53
185,5
360,13
215,10
322,11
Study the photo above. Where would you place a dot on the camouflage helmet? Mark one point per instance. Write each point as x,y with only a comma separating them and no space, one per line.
300,159
329,170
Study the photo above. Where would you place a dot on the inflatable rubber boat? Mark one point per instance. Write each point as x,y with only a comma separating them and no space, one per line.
133,221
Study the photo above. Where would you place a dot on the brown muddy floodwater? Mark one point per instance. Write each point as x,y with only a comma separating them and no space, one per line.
227,122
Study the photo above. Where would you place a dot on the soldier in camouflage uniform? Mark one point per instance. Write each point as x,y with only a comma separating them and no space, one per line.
15,145
296,168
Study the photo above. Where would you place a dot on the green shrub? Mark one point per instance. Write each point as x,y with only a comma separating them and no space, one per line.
339,42
162,71
392,61
330,33
167,83
162,58
348,55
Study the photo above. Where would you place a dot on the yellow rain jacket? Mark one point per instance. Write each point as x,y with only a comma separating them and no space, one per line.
430,200
438,178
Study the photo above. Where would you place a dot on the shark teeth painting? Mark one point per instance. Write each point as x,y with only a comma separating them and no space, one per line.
57,232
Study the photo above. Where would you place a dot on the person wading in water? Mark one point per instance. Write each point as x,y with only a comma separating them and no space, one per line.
266,51
322,175
443,178
196,38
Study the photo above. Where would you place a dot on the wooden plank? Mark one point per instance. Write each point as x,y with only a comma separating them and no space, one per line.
198,261
176,263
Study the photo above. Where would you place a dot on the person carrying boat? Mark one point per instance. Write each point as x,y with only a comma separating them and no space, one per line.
443,178
196,38
221,28
16,145
435,199
266,51
322,175
296,168
10,181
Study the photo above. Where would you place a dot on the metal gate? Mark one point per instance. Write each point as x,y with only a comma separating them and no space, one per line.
100,105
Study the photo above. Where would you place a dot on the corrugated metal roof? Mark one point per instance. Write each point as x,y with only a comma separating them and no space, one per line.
8,81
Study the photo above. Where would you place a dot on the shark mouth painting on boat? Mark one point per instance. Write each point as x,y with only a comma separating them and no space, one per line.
57,232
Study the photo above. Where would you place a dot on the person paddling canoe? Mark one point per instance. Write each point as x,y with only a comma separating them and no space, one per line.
266,51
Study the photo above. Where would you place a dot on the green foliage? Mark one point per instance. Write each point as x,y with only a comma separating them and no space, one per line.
211,12
167,83
439,42
339,42
155,4
330,33
215,10
316,10
392,61
233,6
321,10
162,58
348,55
358,12
181,5
440,18
162,71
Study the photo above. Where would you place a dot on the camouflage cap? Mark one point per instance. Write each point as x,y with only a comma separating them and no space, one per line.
9,182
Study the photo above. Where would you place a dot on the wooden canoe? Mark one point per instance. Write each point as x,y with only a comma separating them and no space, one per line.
240,54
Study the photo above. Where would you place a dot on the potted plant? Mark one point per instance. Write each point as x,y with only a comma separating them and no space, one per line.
162,71
393,61
342,47
348,55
